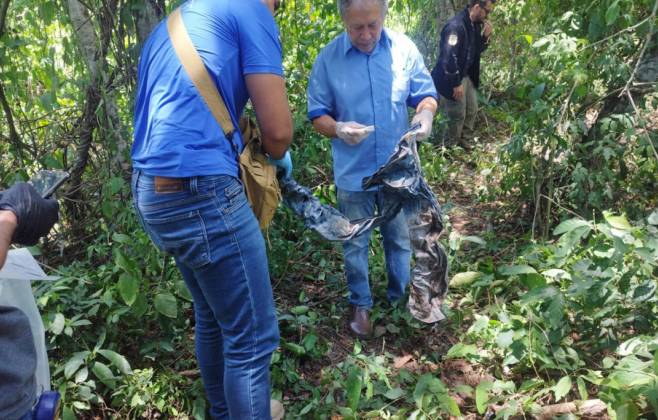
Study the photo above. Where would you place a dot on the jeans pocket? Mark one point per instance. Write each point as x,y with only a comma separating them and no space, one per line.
235,196
184,236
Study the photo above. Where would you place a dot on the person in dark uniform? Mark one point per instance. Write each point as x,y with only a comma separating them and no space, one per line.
457,70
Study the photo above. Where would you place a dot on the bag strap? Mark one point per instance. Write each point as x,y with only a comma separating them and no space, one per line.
196,70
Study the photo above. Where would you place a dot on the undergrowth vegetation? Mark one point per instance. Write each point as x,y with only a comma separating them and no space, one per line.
551,227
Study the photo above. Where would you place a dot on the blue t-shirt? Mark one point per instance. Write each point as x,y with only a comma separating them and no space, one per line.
176,135
370,89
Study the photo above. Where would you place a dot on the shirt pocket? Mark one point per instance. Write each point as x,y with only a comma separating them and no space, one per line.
400,86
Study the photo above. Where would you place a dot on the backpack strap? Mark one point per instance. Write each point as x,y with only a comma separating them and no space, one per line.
197,71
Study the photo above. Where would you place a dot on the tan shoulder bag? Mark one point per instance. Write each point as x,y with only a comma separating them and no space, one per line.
257,174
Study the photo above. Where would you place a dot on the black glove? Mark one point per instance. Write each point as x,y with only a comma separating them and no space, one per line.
36,216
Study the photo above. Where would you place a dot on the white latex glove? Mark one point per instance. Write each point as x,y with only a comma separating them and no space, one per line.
424,117
352,132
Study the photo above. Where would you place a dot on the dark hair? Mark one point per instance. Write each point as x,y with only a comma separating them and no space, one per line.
482,3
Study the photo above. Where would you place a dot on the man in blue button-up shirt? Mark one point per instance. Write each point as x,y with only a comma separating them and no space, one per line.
360,89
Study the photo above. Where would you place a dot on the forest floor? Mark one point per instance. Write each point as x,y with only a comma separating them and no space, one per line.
412,346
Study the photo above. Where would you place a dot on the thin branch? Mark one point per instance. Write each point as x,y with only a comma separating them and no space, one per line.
630,28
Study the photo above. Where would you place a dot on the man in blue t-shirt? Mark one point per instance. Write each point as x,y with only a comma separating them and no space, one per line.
190,200
361,87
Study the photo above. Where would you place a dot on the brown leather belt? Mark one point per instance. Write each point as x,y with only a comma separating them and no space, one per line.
168,185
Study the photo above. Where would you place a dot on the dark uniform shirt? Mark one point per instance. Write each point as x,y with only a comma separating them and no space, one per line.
461,45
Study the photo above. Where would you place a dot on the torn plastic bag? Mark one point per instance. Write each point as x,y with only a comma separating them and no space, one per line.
401,178
402,181
324,219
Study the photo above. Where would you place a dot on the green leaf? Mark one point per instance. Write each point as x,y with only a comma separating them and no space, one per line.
104,374
81,375
74,363
116,184
505,339
537,92
528,39
128,288
653,218
556,273
166,304
562,388
617,222
140,306
512,270
117,360
627,411
612,13
449,404
183,291
460,350
123,261
394,394
464,279
353,388
582,389
299,310
121,238
295,348
482,396
570,225
57,326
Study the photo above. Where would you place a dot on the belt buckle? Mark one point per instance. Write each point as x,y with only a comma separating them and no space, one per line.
168,185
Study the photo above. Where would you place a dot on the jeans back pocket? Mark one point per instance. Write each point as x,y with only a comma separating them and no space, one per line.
184,236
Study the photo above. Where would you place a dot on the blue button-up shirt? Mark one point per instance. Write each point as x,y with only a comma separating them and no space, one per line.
175,133
371,89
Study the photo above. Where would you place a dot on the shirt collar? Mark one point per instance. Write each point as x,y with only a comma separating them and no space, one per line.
384,41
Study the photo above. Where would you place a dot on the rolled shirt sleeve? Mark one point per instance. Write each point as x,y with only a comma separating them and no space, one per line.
319,96
260,48
420,81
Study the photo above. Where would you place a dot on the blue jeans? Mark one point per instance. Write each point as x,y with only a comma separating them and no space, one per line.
214,237
397,247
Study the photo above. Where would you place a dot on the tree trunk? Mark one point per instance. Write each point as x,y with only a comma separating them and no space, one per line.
93,53
147,17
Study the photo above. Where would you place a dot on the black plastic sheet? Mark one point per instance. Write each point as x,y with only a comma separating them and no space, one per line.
322,218
401,178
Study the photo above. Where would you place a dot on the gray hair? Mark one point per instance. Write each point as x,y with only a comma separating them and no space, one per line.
343,5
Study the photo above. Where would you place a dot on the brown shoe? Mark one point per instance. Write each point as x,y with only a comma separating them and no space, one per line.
360,323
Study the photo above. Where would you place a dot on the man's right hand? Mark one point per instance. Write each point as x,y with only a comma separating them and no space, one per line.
488,29
352,132
36,216
458,93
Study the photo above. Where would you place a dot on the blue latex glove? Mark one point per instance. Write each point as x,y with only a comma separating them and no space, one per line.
284,165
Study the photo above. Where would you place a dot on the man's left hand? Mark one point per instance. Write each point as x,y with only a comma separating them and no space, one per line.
284,165
425,118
